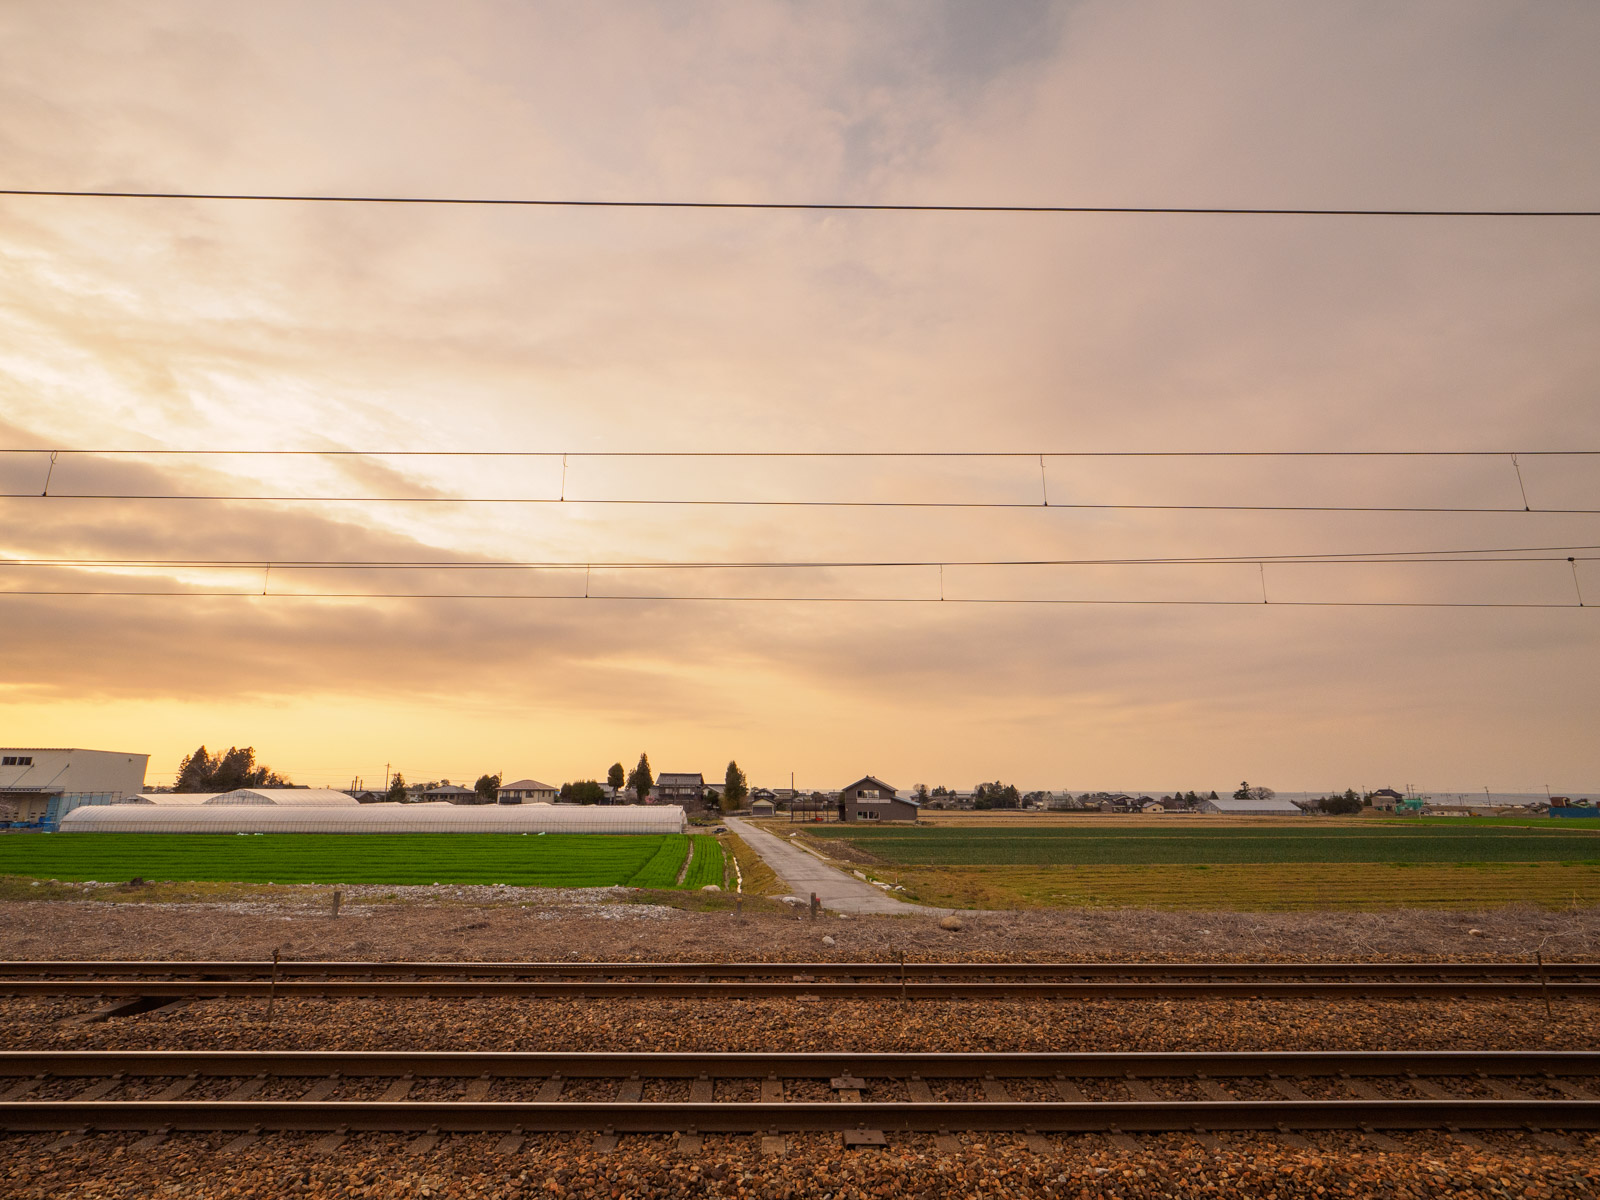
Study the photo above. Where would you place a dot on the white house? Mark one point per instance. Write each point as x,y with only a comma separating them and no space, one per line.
527,791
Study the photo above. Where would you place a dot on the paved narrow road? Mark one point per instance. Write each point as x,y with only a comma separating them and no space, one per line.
804,873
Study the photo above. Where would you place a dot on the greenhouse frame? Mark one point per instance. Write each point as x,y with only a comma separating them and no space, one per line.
297,797
375,818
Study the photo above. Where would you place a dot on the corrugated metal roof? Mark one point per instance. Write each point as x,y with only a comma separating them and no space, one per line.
1251,804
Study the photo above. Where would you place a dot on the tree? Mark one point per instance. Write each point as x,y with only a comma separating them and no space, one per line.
584,791
617,777
1244,791
921,792
734,788
488,788
996,795
640,779
397,789
202,772
1262,793
1346,805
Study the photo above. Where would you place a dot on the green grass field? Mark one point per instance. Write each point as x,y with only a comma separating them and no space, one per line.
1355,842
549,860
707,865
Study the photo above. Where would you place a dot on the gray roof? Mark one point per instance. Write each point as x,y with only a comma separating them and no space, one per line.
872,779
680,779
1252,805
526,785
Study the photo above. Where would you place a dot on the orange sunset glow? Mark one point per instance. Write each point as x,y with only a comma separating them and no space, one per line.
725,499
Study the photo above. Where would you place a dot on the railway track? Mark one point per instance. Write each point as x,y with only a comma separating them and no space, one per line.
864,1096
943,981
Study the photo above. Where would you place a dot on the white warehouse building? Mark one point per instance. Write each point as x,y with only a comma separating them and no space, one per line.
277,817
40,785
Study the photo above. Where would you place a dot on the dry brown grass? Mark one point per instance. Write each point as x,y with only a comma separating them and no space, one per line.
759,879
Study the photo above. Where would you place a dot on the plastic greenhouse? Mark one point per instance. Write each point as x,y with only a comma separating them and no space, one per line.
291,796
374,818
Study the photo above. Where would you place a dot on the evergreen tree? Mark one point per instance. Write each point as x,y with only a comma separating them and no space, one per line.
616,777
202,772
585,791
734,786
397,789
640,779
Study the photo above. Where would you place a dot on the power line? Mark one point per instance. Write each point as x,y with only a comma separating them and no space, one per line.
724,599
1379,558
802,206
749,503
915,454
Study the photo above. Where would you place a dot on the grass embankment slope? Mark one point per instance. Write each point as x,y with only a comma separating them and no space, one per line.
548,860
1263,865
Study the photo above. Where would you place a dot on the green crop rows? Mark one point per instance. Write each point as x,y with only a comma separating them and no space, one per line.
661,869
548,860
984,845
706,866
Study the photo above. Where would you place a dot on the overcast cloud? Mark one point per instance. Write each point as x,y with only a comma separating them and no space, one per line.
166,324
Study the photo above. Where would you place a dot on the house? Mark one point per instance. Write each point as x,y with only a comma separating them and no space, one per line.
452,793
762,808
1251,806
871,799
527,791
1385,799
679,787
1153,806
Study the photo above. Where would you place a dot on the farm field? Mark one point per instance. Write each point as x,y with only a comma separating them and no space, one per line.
1297,887
550,860
1356,864
1345,842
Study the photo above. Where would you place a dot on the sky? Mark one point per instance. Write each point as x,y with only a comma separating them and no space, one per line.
150,325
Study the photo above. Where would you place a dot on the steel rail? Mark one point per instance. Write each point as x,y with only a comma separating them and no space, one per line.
465,1116
602,989
798,1064
1578,1109
1126,971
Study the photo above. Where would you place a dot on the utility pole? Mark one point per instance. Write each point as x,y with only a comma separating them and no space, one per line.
385,777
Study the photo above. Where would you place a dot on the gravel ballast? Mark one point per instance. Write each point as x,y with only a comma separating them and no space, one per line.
615,926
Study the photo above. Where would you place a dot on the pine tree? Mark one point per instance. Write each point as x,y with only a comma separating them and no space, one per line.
640,779
734,788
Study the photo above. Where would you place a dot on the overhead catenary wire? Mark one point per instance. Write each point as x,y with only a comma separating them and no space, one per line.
749,502
344,452
731,599
796,205
1371,558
